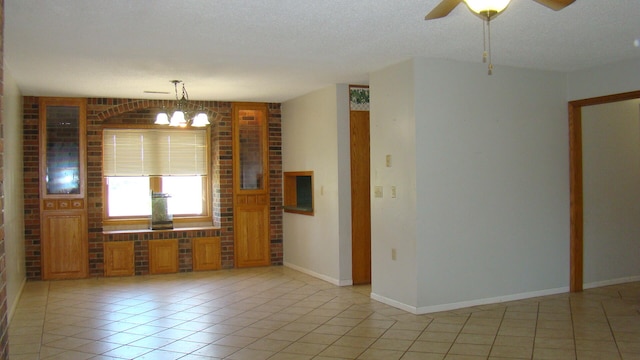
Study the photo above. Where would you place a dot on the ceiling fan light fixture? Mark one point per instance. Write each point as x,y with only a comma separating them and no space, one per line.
487,6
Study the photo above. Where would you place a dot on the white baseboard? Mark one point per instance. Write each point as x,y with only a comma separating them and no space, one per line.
394,303
623,280
319,276
14,306
465,304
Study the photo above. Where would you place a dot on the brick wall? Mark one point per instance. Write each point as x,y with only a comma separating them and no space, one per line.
101,111
275,183
4,325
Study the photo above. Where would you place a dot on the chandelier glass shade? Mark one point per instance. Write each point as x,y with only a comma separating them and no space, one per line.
180,117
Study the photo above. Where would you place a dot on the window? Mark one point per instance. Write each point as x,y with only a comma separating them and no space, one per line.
139,161
298,192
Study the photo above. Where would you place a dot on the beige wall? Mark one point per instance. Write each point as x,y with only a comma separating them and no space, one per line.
315,128
14,190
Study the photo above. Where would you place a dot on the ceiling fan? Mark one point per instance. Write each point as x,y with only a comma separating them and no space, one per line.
487,10
488,7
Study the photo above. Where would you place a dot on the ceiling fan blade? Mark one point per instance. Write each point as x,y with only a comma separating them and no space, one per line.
555,4
443,9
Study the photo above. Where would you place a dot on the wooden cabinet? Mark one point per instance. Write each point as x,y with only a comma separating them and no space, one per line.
252,235
251,184
163,256
64,245
206,254
119,258
63,212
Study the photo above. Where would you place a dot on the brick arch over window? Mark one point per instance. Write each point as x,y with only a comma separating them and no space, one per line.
134,105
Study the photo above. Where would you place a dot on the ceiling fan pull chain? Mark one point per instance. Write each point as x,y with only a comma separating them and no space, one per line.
489,45
484,43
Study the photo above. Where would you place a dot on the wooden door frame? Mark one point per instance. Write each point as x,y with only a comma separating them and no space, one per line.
576,190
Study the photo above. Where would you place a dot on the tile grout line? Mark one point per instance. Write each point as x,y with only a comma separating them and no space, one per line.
613,334
497,331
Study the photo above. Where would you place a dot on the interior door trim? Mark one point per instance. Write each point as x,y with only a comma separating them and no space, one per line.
576,253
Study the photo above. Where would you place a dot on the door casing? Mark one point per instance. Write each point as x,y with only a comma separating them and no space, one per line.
576,185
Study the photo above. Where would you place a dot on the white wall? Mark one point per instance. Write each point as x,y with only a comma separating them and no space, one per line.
491,218
493,200
481,169
313,132
393,221
13,191
611,191
604,80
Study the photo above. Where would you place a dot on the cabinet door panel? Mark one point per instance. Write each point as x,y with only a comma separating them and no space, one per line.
252,236
119,258
163,256
64,245
206,254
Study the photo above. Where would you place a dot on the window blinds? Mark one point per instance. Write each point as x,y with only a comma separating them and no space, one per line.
147,152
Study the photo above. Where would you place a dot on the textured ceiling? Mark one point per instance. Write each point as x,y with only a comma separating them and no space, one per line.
274,50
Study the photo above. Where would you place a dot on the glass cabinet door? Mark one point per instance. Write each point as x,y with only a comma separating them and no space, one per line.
251,142
62,124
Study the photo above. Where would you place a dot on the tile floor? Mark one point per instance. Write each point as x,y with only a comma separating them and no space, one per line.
278,313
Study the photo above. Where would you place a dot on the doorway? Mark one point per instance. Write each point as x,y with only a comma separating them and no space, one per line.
576,182
360,185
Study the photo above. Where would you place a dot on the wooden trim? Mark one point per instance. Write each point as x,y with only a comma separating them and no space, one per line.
576,202
575,182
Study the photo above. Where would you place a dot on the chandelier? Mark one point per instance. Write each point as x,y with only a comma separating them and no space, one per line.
180,116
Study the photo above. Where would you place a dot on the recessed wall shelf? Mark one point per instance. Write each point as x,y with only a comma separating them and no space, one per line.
298,192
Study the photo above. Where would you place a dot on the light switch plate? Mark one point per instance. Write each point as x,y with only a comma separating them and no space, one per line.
377,191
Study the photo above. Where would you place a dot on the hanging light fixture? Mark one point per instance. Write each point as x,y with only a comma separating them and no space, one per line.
487,7
180,116
487,10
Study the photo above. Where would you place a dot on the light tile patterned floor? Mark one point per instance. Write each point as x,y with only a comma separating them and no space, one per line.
277,313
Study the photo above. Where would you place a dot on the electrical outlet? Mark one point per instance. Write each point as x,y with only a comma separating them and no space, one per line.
377,191
388,160
393,254
393,192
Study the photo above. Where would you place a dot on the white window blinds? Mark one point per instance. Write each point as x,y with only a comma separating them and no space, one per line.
147,152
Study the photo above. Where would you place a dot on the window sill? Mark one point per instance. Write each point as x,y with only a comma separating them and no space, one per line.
299,210
147,230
